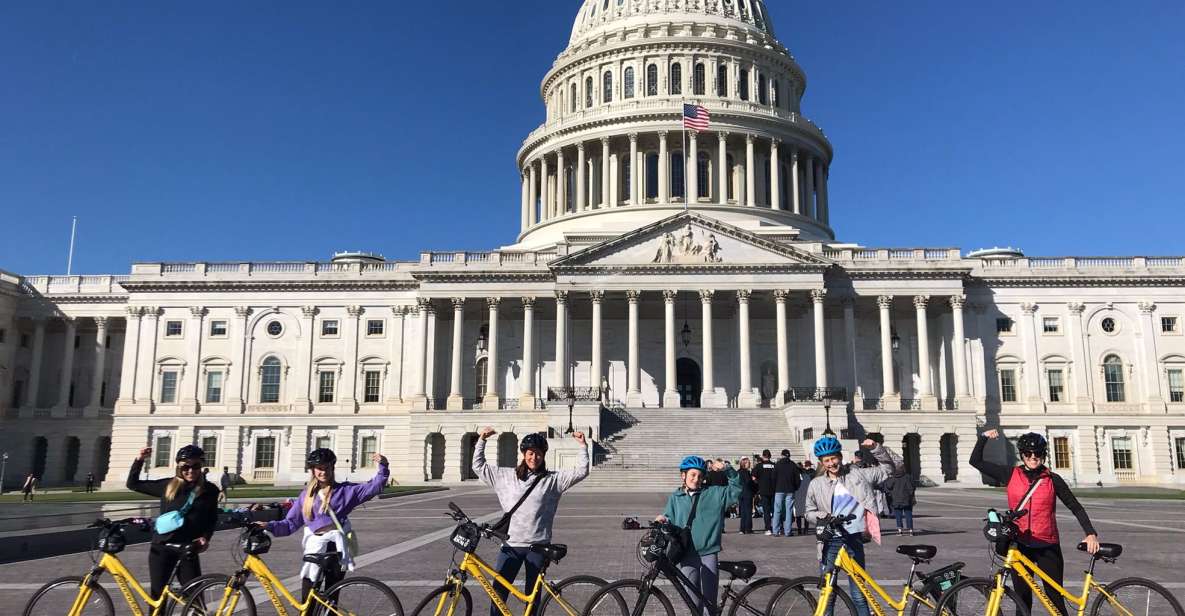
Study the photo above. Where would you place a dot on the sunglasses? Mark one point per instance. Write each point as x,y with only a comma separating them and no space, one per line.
1030,454
189,467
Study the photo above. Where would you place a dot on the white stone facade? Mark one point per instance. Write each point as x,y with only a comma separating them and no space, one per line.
626,285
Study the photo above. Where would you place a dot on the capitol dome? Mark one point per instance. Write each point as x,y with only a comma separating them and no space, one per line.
610,156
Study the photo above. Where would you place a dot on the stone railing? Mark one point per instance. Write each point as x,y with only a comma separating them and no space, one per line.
487,258
45,285
576,394
1082,263
815,394
202,270
893,255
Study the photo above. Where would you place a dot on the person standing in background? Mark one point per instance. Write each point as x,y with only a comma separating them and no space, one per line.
786,482
901,491
806,473
745,500
764,471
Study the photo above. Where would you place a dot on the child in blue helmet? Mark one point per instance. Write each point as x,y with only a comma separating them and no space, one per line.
700,564
845,489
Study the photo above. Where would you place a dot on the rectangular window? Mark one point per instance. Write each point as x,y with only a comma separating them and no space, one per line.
1008,385
1121,453
265,452
1169,325
1004,325
1061,453
1057,385
1176,385
323,442
1180,442
162,451
374,385
24,341
1051,325
214,387
210,446
172,329
368,447
218,329
374,327
168,387
326,384
329,327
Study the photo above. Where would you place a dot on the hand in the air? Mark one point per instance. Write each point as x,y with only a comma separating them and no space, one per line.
579,436
992,434
487,432
869,444
144,453
379,458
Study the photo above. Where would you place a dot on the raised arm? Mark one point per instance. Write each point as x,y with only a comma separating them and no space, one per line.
1000,473
292,522
362,492
568,478
151,488
486,472
888,461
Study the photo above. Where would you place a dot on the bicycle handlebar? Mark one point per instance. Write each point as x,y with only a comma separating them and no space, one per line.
139,523
487,530
837,522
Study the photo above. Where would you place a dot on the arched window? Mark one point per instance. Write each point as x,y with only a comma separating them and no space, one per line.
676,79
479,377
588,93
652,176
269,381
744,84
704,175
607,87
677,173
699,80
777,94
652,80
762,89
722,81
572,97
628,86
1113,378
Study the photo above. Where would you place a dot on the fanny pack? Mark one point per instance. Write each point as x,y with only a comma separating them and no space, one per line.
173,520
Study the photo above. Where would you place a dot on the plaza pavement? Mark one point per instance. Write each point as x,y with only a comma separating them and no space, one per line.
405,542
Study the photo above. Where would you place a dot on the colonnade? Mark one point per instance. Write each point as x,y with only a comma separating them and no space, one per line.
31,388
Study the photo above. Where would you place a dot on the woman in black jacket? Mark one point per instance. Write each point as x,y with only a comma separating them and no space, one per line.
200,514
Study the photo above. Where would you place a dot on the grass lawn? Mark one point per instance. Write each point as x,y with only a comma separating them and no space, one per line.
240,493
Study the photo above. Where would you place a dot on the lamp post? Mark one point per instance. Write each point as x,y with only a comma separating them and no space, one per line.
3,467
827,431
571,406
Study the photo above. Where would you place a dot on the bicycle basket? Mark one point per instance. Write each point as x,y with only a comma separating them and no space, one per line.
942,579
999,533
112,541
255,542
466,537
656,545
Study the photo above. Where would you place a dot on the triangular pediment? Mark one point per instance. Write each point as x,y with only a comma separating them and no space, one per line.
689,240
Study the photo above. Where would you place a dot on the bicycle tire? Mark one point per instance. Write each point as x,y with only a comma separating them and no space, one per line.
99,598
798,597
917,606
384,600
978,587
1169,601
610,602
434,597
743,596
559,587
199,586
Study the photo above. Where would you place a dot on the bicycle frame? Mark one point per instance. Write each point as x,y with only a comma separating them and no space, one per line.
128,587
473,566
1025,569
867,585
272,586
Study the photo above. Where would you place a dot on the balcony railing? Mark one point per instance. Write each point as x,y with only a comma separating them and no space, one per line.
575,394
815,394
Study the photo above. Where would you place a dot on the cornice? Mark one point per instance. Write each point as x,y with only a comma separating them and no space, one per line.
236,286
491,275
1088,282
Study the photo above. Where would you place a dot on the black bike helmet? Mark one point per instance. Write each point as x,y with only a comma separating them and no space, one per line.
320,457
255,543
535,440
1033,443
190,452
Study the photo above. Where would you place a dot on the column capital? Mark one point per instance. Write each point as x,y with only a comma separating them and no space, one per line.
197,311
596,296
561,297
774,143
101,322
604,141
669,295
723,134
1146,307
780,295
152,312
1076,307
423,304
135,312
633,138
242,311
884,301
921,301
848,300
818,295
309,311
705,296
958,301
493,302
528,302
743,295
662,134
399,311
355,311
749,138
633,296
458,303
1028,308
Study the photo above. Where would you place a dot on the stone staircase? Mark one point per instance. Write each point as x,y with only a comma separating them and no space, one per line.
640,449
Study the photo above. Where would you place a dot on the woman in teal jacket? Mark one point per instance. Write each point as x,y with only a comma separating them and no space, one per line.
700,564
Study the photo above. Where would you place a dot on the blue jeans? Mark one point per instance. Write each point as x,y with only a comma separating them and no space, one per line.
784,513
856,551
904,517
509,561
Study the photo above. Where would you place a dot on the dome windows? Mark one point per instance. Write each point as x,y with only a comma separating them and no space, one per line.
743,85
572,97
722,81
652,80
607,84
699,80
676,79
627,87
762,89
588,93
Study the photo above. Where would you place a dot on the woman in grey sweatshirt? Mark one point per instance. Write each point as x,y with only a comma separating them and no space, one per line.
532,522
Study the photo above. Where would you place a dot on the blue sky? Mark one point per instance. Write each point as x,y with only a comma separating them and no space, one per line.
267,130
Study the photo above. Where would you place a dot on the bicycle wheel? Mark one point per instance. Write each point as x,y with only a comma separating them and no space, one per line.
1136,597
629,598
576,591
203,596
57,597
970,598
362,596
445,601
754,600
929,591
798,597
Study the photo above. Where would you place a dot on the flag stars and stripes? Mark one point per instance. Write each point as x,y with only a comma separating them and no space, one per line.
696,117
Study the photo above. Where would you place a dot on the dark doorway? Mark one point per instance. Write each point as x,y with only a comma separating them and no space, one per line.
950,456
507,450
689,382
467,444
911,448
434,456
40,452
73,449
102,457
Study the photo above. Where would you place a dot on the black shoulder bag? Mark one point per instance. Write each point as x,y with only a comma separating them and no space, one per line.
503,525
684,534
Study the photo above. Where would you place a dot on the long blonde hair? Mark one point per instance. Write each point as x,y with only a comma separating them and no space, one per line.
177,483
310,490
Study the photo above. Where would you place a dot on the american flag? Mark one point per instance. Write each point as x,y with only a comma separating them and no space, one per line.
696,117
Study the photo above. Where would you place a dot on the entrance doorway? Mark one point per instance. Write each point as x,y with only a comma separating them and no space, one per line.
689,382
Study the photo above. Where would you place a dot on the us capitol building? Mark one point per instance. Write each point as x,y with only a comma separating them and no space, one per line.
667,294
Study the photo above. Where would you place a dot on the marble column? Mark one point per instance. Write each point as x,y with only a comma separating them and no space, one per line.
691,175
525,195
561,182
750,173
456,397
561,339
581,179
527,395
31,398
889,386
959,350
67,375
795,185
131,347
722,167
634,393
605,177
236,374
545,189
304,359
670,393
817,298
822,198
146,386
532,210
349,386
597,369
1031,371
809,175
191,384
780,296
635,197
925,388
664,169
398,327
775,177
100,368
420,390
1079,379
493,374
746,397
1151,365
849,330
708,397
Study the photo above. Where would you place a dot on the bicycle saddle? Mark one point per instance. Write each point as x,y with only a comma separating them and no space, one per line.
743,569
553,552
921,552
323,559
1106,550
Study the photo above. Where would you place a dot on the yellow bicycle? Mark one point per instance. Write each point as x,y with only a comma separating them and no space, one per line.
990,597
453,598
84,596
797,597
354,596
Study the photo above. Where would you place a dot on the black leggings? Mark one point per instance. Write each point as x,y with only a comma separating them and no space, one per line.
329,575
160,565
1049,559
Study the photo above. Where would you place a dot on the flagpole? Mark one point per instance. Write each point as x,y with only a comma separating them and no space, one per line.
685,192
70,255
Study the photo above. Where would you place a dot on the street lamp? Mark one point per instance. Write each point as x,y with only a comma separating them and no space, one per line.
571,406
3,467
827,409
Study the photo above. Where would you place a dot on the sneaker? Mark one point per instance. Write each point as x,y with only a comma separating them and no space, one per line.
911,532
769,533
900,532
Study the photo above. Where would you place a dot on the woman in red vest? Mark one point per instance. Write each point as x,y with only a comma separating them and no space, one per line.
1036,489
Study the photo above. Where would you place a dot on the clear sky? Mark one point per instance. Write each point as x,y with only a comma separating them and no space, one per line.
289,130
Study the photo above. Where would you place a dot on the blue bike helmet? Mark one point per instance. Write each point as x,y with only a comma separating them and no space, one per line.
693,463
827,446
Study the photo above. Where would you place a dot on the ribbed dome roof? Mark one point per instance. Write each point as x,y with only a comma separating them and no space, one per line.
597,14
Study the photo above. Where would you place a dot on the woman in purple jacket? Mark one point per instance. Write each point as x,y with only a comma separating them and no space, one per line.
322,500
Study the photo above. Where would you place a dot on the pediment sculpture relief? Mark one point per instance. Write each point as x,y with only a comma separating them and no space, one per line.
687,249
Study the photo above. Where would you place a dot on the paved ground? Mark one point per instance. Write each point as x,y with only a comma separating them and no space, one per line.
405,541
